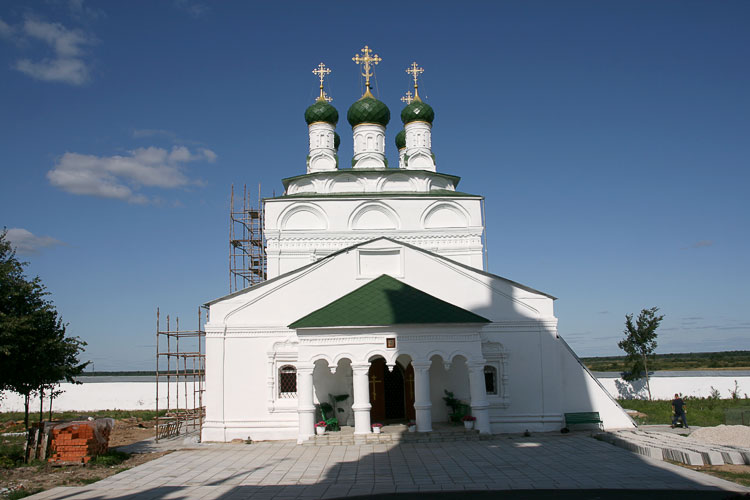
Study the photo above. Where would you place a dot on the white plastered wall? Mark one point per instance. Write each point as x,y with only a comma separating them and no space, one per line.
543,379
299,231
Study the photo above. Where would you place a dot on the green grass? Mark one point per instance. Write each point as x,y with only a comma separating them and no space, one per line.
701,412
742,478
70,415
11,451
675,361
22,493
111,458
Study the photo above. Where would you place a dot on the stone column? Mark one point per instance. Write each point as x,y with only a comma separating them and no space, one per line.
305,406
361,405
422,402
479,404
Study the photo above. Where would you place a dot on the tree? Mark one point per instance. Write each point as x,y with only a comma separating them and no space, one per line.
35,353
639,343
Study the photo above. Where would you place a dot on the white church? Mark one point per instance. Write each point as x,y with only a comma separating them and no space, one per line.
377,293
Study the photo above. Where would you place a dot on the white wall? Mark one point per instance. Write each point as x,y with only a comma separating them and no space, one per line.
104,396
666,387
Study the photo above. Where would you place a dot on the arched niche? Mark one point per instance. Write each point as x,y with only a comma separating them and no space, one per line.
345,184
302,187
374,216
302,217
397,183
445,215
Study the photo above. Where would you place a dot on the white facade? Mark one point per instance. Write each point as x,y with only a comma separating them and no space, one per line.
337,230
538,378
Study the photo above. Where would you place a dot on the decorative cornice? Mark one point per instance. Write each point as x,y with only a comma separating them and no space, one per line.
348,340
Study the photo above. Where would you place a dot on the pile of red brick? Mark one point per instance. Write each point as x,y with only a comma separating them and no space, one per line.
77,442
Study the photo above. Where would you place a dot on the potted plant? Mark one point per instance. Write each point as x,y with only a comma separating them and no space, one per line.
468,421
320,428
412,426
376,428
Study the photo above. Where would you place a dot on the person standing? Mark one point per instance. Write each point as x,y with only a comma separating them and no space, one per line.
678,411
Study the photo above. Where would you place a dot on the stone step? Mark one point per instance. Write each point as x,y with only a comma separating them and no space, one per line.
436,436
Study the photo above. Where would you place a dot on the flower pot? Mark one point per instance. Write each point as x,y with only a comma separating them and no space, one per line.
320,431
376,430
468,424
412,428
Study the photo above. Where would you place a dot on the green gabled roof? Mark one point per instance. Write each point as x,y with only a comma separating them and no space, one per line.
386,301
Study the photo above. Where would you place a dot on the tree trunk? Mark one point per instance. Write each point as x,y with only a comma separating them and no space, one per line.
51,397
648,384
41,405
26,411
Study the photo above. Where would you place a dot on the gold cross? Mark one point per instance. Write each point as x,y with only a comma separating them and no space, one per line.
321,71
408,98
373,381
415,71
365,61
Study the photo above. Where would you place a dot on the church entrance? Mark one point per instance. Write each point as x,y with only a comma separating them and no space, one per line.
391,392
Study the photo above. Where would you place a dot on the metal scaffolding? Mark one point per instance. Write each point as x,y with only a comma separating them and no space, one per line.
183,368
247,249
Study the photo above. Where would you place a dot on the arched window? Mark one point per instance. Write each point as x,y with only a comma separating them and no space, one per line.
287,382
490,379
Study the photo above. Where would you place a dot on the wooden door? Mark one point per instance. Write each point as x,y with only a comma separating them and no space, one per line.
411,413
377,390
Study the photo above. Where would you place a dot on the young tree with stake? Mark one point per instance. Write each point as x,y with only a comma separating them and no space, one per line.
639,343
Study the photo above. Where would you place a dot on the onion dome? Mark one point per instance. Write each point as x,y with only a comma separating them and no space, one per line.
336,140
401,139
321,111
368,110
417,111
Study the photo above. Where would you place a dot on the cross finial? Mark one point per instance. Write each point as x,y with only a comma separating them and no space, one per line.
321,71
366,61
408,98
415,71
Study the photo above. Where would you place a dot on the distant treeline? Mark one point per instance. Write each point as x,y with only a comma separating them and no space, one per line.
128,374
676,361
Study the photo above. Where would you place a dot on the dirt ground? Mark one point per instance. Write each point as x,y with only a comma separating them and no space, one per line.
39,477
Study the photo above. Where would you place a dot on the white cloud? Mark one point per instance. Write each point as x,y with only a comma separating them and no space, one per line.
121,176
67,65
6,30
194,9
26,242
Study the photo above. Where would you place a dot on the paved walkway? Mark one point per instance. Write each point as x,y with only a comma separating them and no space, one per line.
288,471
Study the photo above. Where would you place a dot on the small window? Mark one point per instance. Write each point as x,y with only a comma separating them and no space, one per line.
490,379
287,382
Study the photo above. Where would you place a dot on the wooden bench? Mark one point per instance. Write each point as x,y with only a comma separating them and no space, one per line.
586,417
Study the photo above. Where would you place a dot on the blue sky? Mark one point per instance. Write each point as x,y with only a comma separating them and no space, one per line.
610,139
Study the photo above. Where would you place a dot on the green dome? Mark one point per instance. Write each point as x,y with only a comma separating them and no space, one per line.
417,111
336,140
321,111
401,139
368,110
